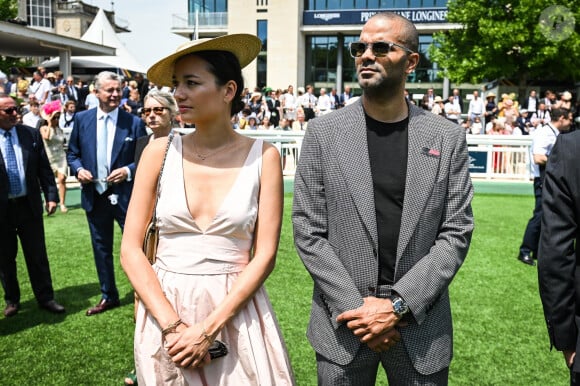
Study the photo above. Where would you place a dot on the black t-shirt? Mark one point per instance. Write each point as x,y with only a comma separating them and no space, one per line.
388,148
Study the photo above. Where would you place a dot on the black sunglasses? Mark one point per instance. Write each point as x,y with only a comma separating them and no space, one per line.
357,49
156,110
10,110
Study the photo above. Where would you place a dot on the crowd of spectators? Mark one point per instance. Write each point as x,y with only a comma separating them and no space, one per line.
507,116
283,109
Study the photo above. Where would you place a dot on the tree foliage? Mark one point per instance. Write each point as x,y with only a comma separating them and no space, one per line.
520,40
8,10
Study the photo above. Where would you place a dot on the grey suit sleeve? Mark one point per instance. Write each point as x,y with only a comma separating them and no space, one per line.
422,285
310,220
557,257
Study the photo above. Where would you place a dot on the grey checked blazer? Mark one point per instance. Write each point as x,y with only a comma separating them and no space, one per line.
335,230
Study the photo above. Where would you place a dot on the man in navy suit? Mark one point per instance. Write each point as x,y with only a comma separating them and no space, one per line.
24,173
101,153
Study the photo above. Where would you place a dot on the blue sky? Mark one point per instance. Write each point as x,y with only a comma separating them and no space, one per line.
150,23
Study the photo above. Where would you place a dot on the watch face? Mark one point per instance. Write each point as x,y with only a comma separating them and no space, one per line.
400,307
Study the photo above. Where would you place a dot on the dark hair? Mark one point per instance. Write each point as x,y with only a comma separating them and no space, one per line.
225,67
408,33
556,113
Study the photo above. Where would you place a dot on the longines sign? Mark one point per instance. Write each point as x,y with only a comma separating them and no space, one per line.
416,15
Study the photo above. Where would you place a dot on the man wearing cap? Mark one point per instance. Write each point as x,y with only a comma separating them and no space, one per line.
25,175
101,154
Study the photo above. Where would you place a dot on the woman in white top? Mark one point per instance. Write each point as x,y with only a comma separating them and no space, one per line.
219,217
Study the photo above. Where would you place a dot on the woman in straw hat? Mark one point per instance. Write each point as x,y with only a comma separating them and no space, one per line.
54,140
219,216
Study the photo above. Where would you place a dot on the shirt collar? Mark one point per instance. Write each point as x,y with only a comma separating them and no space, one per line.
113,114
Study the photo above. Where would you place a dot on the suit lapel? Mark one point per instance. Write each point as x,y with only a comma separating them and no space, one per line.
422,169
353,157
25,146
89,137
121,132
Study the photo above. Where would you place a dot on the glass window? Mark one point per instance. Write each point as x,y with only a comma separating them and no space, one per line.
208,5
40,13
347,4
262,33
319,4
322,61
333,4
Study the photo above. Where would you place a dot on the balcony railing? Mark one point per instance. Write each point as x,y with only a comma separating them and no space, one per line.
205,20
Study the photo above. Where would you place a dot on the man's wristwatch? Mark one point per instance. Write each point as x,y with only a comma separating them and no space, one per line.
400,308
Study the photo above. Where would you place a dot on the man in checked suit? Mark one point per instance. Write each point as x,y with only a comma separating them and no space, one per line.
558,254
101,153
25,173
382,221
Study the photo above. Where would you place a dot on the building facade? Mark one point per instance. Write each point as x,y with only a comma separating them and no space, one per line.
306,41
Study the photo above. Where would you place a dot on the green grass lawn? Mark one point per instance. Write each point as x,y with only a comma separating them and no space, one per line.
500,335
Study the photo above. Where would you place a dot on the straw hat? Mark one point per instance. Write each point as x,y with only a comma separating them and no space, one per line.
437,99
490,95
566,95
49,109
244,46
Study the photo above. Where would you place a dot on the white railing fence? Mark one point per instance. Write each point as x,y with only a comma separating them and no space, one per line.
490,156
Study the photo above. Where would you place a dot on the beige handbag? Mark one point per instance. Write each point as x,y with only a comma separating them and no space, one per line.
152,233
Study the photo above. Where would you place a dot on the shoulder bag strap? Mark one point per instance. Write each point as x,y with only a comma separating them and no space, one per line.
154,217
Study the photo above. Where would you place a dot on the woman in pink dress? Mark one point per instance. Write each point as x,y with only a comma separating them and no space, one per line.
219,216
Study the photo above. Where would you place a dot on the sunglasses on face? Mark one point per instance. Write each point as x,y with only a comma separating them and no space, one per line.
357,49
10,110
156,110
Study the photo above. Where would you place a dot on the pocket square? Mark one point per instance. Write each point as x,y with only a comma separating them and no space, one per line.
431,152
129,139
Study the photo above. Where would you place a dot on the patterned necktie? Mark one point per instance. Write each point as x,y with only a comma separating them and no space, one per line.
102,164
12,166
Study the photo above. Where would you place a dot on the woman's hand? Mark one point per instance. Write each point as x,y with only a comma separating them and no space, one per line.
188,346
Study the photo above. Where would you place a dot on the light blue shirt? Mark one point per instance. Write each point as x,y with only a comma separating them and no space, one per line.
19,159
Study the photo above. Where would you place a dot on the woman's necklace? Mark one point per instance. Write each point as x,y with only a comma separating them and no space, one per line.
204,157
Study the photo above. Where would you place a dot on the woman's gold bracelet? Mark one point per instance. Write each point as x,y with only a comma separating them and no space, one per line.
171,328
